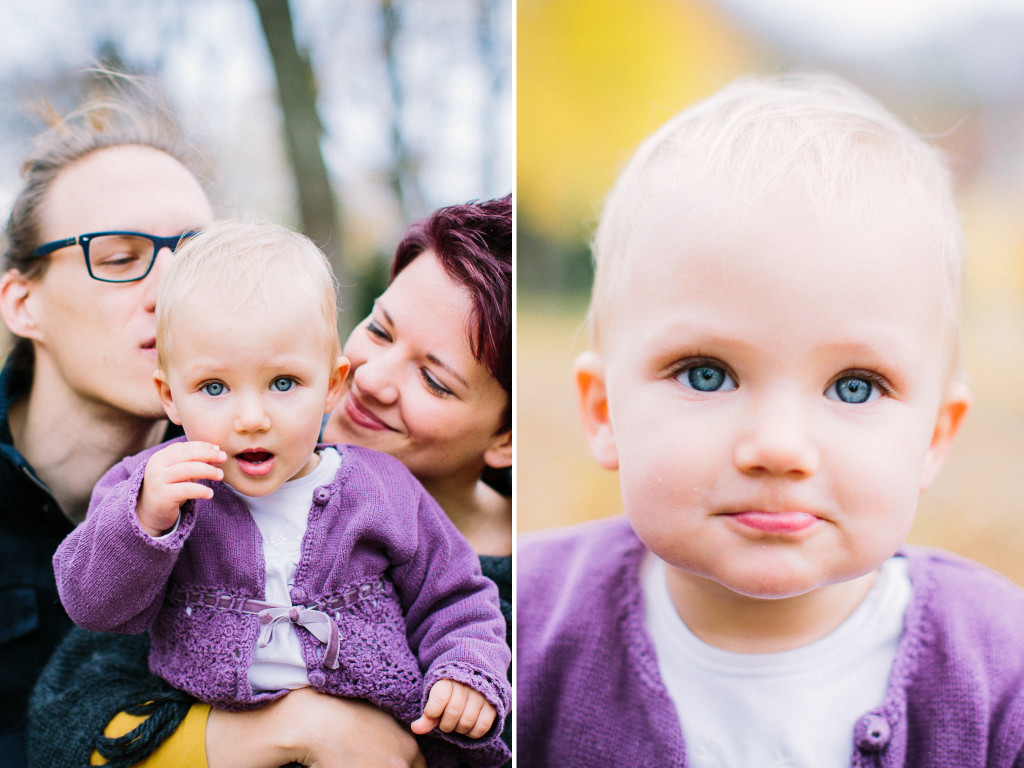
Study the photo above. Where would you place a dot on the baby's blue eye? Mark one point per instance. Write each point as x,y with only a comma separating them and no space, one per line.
707,378
853,389
213,388
283,384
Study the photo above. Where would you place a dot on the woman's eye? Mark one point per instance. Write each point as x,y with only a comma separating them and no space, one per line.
212,388
282,384
854,390
375,330
434,385
706,377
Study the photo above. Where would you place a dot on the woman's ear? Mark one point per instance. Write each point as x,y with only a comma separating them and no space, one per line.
951,415
163,389
15,305
499,455
593,402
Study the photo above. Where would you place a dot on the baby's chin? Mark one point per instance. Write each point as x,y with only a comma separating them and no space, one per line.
777,582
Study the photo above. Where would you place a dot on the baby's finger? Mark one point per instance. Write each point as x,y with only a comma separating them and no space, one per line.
182,492
437,700
484,721
474,703
193,470
197,450
424,725
191,450
453,711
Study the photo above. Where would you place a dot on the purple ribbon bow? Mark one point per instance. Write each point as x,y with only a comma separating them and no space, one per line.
318,623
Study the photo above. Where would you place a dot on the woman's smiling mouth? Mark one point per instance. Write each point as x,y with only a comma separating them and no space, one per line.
360,415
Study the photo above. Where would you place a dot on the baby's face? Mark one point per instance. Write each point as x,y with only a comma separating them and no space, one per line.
774,394
255,382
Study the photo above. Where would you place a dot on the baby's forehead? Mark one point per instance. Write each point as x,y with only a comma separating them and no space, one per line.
782,251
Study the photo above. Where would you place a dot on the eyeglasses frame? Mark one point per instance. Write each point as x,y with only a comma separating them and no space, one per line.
159,243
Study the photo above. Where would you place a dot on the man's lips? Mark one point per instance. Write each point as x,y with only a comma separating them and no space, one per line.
775,523
255,462
360,415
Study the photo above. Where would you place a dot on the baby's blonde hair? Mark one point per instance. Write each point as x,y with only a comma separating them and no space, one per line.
247,262
757,132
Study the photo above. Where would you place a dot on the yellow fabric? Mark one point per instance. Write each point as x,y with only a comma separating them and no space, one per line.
185,748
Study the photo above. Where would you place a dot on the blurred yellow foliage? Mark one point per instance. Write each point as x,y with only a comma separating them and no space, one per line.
594,78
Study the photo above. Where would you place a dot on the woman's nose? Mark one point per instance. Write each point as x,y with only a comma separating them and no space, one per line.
376,378
777,440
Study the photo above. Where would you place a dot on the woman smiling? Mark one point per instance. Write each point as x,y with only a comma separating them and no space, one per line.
431,385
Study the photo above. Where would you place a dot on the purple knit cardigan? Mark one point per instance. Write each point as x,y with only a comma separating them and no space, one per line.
589,693
379,556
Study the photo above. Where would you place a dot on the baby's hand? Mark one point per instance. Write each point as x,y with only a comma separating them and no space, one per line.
453,706
170,481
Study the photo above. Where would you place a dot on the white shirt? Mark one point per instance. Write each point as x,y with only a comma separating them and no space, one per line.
281,517
793,709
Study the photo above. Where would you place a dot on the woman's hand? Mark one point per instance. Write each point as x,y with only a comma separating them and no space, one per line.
312,729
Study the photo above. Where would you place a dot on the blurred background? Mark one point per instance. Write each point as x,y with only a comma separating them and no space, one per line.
596,76
347,119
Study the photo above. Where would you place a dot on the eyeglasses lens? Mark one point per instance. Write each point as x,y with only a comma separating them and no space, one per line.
120,257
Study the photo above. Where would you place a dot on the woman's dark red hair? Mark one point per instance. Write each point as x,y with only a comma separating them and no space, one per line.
473,244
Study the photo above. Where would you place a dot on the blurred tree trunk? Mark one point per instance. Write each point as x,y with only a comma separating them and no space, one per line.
494,65
404,178
296,90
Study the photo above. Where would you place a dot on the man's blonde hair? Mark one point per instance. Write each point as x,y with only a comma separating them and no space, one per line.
757,132
247,262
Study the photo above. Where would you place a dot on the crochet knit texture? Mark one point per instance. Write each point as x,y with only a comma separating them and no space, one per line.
94,675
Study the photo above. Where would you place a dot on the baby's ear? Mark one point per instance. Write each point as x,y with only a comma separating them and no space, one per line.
951,415
163,389
336,383
593,400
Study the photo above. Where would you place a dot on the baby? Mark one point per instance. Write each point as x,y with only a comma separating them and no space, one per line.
775,374
261,561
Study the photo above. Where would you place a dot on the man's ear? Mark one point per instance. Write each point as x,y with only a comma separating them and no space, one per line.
336,384
951,415
163,389
16,306
499,455
593,401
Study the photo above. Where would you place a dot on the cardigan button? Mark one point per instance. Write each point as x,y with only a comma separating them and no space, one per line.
298,595
317,678
872,733
321,495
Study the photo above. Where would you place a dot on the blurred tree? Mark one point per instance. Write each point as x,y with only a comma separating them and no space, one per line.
496,64
404,176
594,77
296,89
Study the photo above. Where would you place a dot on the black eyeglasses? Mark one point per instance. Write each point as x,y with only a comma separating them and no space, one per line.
117,257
